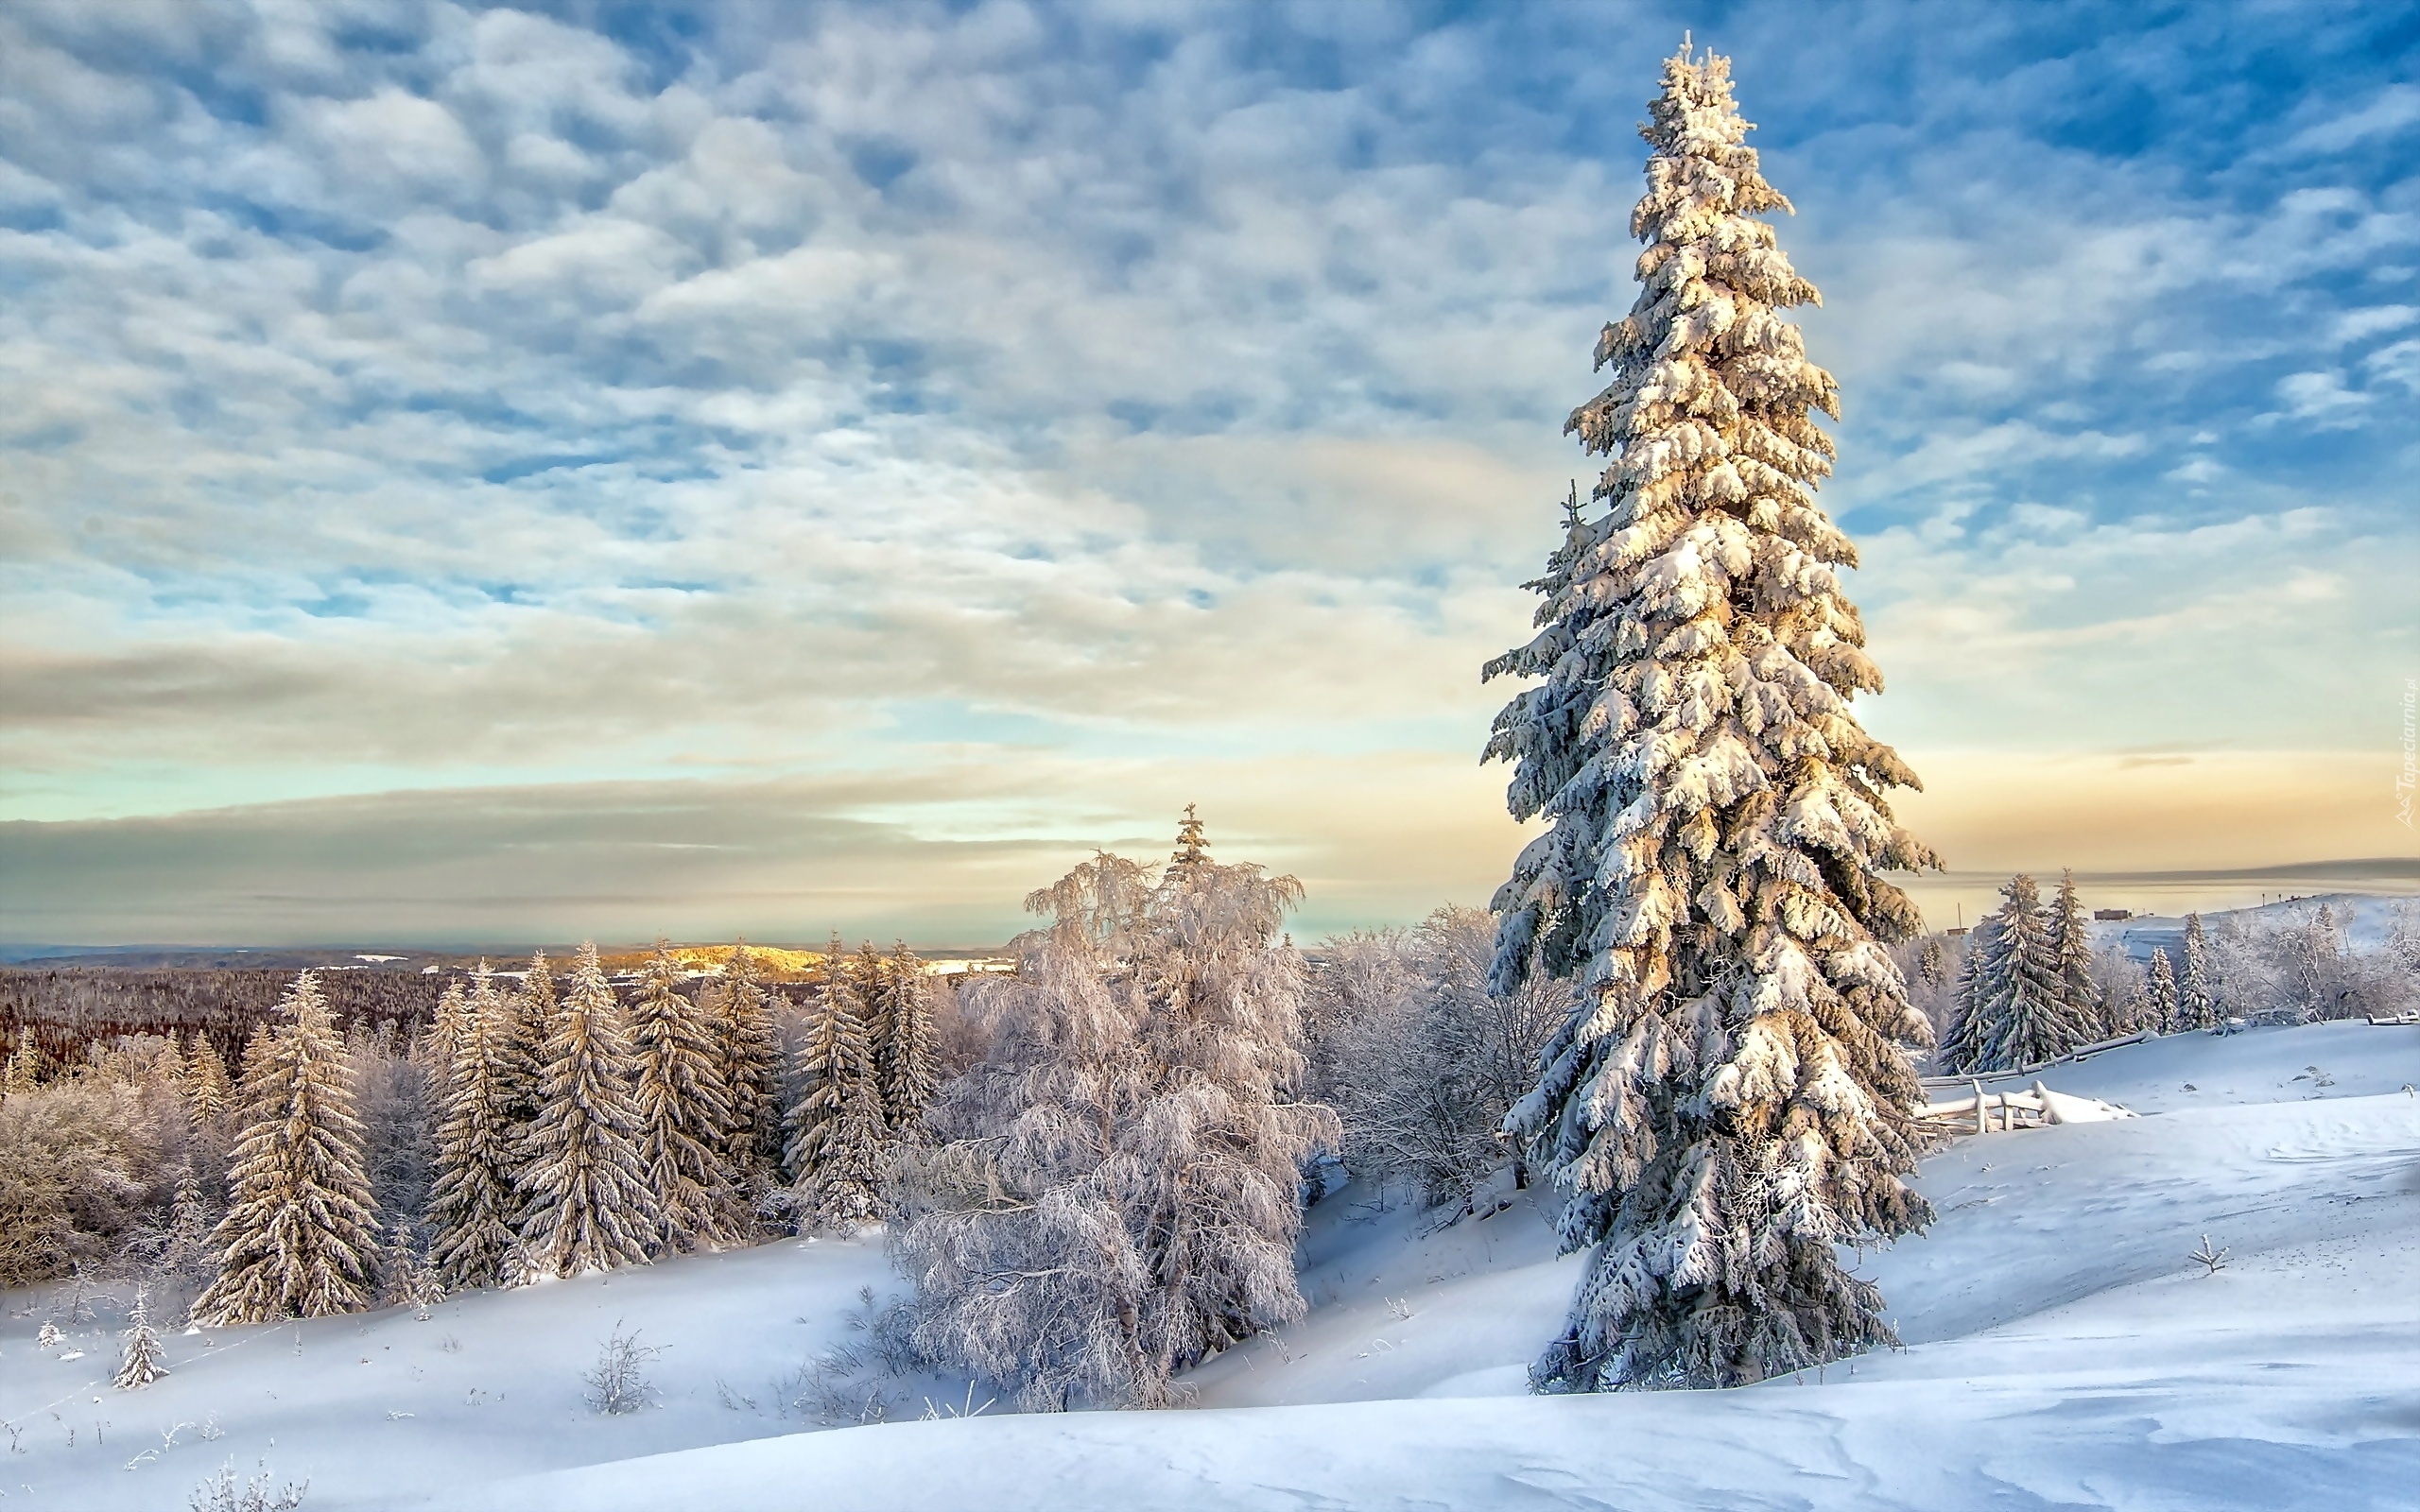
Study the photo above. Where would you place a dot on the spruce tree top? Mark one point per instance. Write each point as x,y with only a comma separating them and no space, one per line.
1693,743
1192,839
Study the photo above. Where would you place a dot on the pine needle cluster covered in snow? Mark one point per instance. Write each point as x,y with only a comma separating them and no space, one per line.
1734,1097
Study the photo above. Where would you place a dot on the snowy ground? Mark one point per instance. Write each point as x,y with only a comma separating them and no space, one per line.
2062,1352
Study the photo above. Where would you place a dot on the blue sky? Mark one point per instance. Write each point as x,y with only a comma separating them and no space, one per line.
475,472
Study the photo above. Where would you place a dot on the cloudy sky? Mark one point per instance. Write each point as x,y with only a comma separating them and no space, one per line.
500,473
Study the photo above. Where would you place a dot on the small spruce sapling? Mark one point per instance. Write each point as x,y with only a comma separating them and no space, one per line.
139,1362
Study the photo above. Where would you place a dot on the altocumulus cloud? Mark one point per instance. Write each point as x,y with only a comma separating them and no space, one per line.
491,454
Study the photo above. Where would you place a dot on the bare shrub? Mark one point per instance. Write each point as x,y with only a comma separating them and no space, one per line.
617,1383
220,1492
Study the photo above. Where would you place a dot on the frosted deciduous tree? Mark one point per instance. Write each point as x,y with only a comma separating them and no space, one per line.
298,1238
586,1201
472,1203
1733,1096
397,1100
684,1107
1932,962
838,1131
1117,1196
1420,1057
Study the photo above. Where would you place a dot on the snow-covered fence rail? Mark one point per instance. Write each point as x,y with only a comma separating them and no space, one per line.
1982,1111
2080,1052
2407,1016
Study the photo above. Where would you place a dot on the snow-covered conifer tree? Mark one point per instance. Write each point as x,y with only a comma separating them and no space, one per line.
1932,962
185,1256
410,1279
1732,1097
868,973
447,1027
751,1060
208,1091
299,1239
473,1202
684,1109
2071,947
24,1072
1117,1198
586,1201
2159,992
2197,1001
838,1131
905,1056
530,1021
139,1362
2015,1011
1192,840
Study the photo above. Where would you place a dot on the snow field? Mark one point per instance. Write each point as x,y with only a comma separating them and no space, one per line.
376,1407
2062,1352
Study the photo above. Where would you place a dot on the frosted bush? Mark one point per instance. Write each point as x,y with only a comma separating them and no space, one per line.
222,1492
1118,1193
617,1383
1419,1060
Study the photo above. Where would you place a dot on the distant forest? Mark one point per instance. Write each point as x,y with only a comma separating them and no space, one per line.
64,1010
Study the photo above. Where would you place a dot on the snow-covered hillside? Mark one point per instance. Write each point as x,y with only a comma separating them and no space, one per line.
2061,1350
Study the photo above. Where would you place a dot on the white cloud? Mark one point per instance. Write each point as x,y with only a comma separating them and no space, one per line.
2391,110
484,406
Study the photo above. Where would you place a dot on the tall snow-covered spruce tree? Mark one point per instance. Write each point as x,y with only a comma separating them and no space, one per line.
838,1131
586,1201
685,1107
749,1053
479,1148
905,1051
1733,1096
299,1239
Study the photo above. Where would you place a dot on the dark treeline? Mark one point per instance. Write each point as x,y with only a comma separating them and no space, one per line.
65,1010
